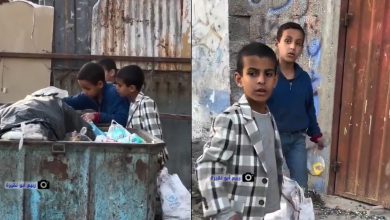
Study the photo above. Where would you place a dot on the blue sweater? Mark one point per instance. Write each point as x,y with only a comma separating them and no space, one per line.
112,107
292,104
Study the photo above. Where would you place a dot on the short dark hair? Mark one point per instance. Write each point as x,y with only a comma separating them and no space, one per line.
289,25
255,49
91,72
132,75
108,64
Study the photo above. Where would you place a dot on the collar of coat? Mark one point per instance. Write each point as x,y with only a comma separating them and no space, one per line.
245,108
139,97
134,106
253,130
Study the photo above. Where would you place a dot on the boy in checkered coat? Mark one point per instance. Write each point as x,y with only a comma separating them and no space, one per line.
143,112
244,144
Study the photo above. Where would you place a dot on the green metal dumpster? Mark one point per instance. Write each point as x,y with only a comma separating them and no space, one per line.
86,180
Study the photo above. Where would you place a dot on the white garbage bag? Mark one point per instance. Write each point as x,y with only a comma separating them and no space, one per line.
293,204
175,198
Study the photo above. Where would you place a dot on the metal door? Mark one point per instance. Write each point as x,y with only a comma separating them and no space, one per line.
363,151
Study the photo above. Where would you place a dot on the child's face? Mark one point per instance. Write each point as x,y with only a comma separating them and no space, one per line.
123,89
290,45
258,79
91,90
109,75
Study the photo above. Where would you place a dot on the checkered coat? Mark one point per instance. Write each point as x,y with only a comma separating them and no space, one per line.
236,148
143,115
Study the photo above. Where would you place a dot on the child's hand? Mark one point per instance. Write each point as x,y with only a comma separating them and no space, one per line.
320,143
88,117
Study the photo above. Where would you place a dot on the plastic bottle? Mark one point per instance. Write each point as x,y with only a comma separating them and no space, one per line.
96,130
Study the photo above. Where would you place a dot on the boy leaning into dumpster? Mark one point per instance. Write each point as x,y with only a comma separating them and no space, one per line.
110,69
292,103
143,112
99,96
244,148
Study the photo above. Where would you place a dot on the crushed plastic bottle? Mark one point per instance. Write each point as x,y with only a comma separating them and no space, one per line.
96,130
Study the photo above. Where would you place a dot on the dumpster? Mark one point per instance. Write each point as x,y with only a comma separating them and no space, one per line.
79,180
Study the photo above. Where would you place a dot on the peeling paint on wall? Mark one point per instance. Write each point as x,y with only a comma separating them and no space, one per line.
210,63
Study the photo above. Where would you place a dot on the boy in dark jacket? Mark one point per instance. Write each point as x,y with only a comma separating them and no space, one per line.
98,96
292,103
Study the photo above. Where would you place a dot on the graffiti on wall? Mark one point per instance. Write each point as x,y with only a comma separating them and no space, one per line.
304,13
210,63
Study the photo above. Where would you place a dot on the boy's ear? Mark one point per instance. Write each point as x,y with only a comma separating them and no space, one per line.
133,88
238,79
100,84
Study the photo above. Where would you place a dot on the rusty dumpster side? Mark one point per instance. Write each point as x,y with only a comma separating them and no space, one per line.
87,180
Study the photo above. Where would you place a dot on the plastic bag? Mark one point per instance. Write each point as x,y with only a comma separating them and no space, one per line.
293,204
315,162
117,131
131,139
120,134
175,198
96,130
51,91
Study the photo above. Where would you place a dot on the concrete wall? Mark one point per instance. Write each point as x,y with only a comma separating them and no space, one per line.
210,63
258,20
210,68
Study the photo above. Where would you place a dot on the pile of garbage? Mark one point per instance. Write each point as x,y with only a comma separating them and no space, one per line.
116,134
43,115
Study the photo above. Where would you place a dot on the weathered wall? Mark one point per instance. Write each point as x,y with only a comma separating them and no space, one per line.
142,28
72,35
210,69
258,20
210,63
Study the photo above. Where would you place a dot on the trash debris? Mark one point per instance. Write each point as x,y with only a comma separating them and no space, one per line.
96,130
42,108
51,91
315,162
116,134
75,136
293,204
323,212
175,198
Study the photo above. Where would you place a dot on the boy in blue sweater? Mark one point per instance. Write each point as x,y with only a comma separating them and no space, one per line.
98,96
292,103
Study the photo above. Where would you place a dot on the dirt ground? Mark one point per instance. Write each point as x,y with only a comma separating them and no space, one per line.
326,208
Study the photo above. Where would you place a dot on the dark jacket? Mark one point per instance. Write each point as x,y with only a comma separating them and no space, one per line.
112,107
292,104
